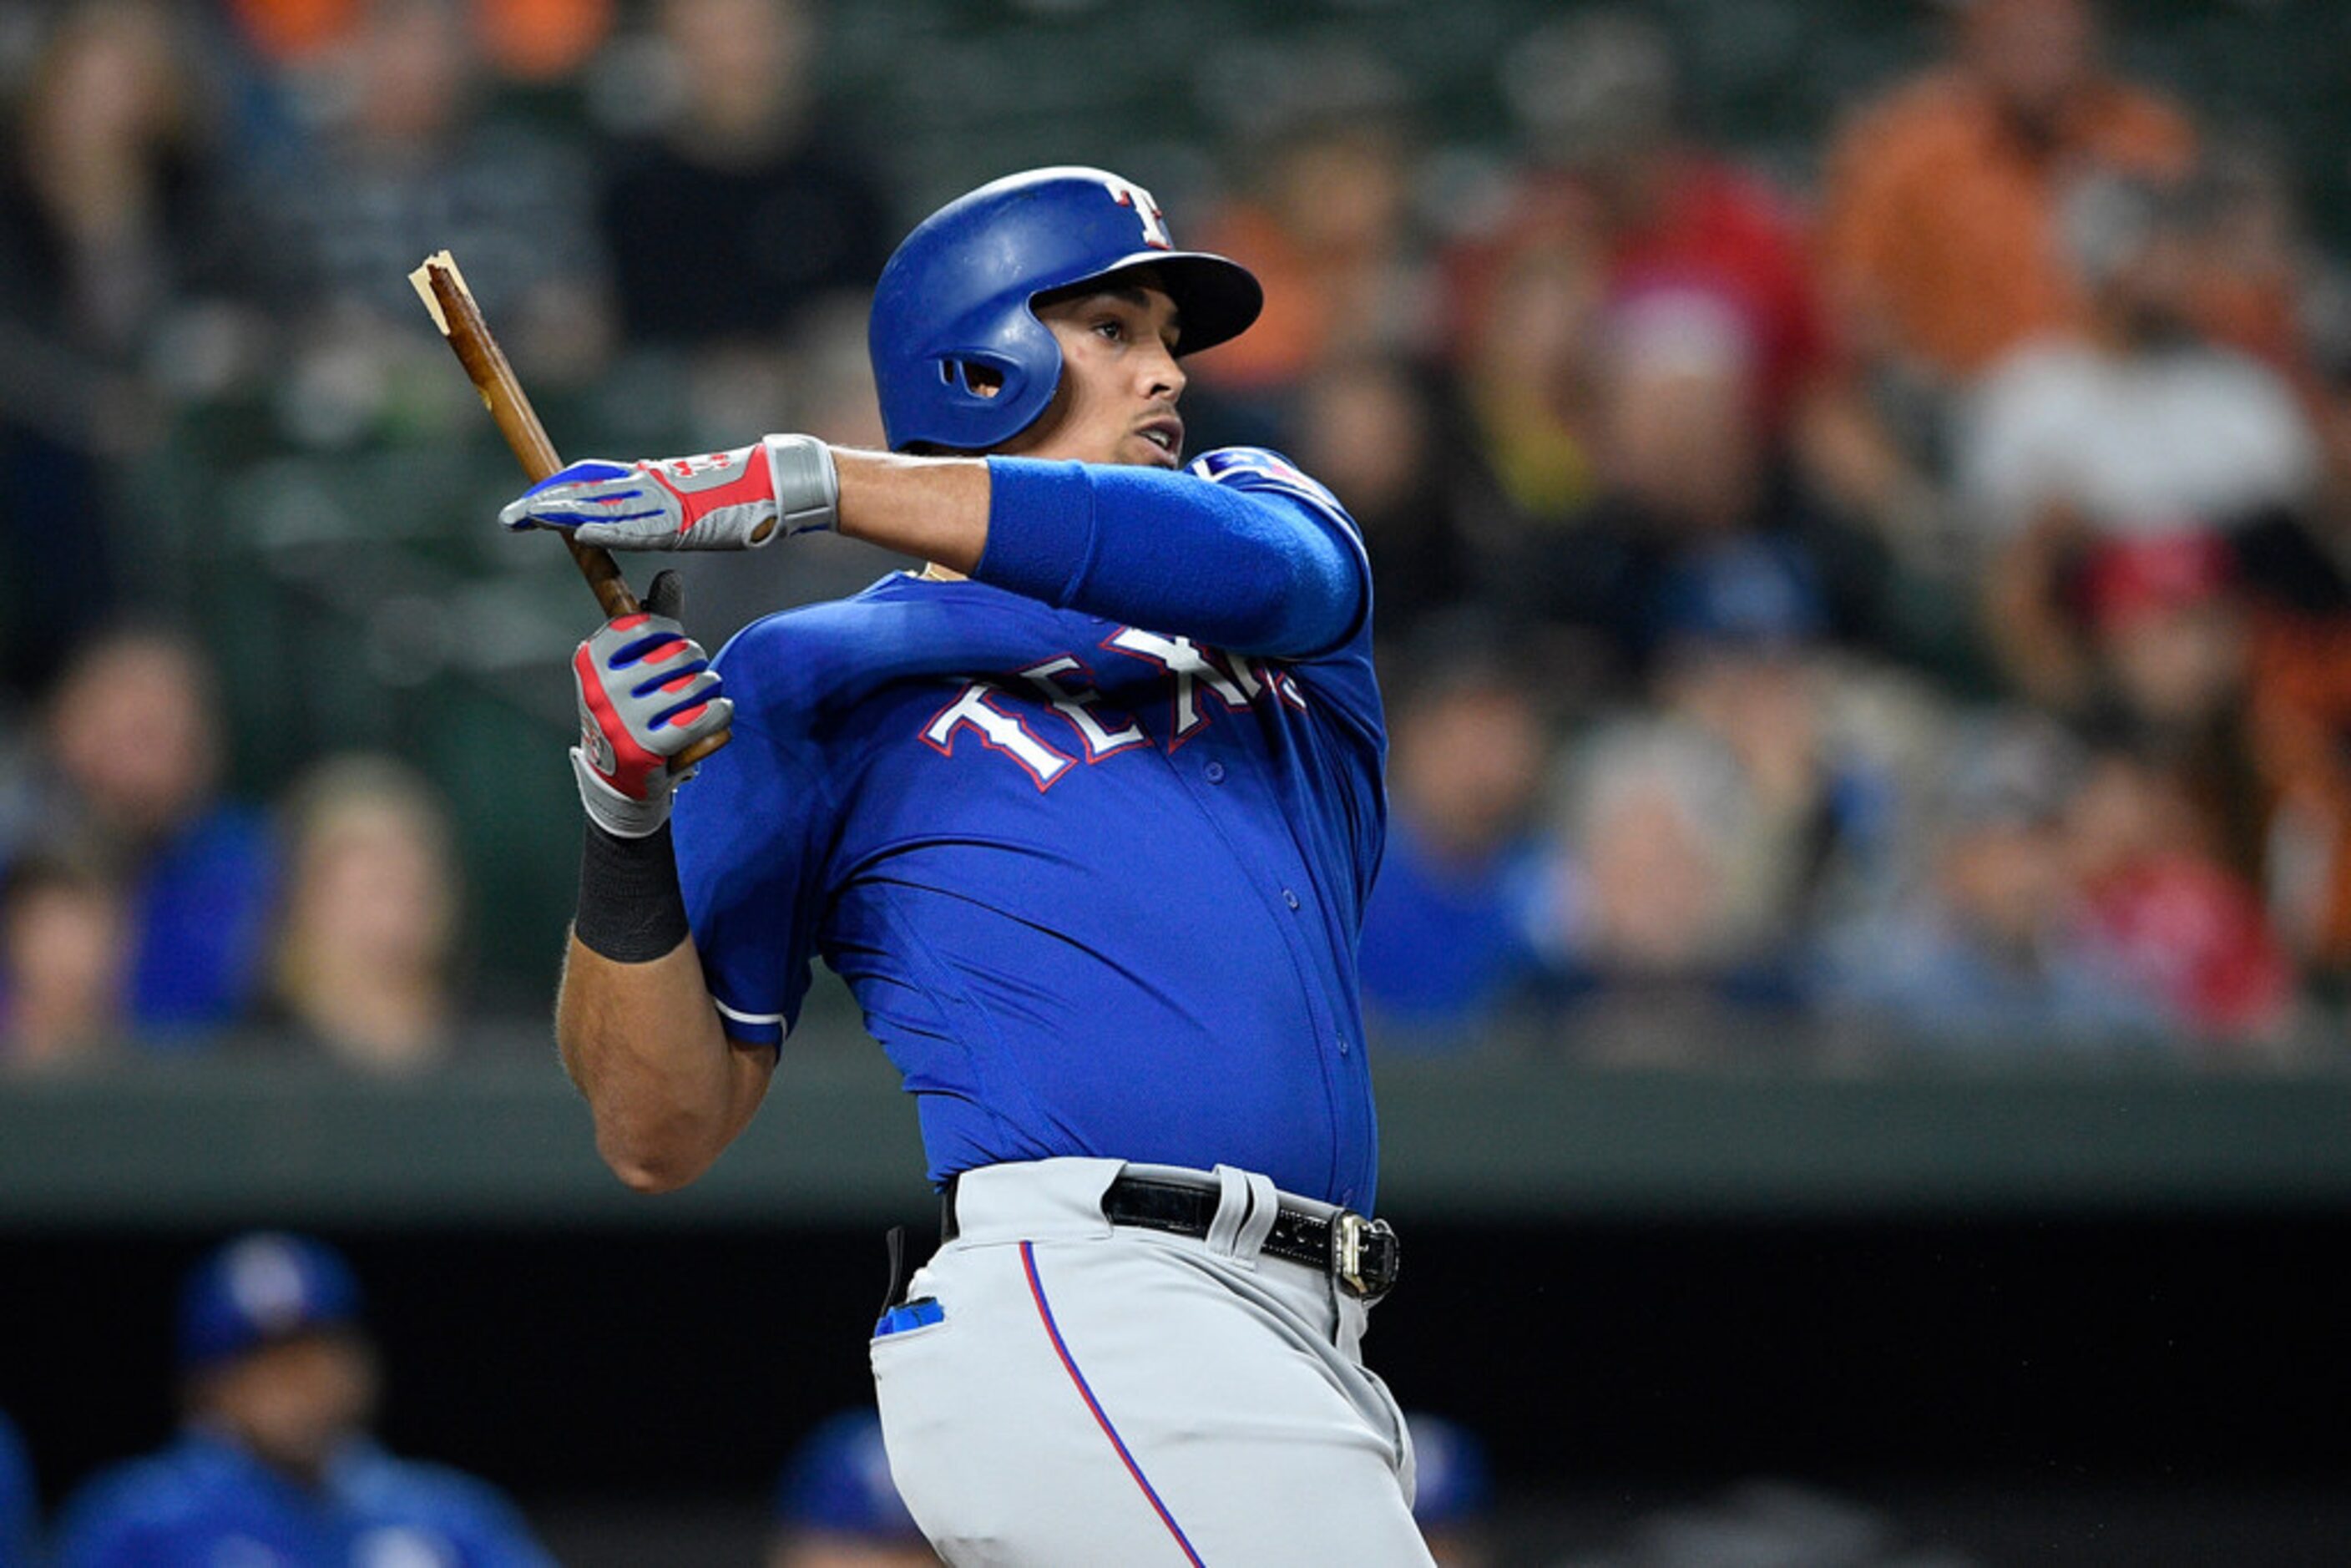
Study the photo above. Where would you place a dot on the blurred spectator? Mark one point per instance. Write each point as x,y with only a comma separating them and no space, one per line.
1660,949
101,192
132,763
837,1507
738,207
20,1515
1522,359
370,917
1990,947
1826,743
829,395
533,40
1687,482
290,32
1600,98
274,1463
2300,712
2262,287
1325,220
64,956
1618,172
2125,429
1938,232
99,204
1445,952
398,153
2180,925
2172,634
540,41
1369,425
1453,1497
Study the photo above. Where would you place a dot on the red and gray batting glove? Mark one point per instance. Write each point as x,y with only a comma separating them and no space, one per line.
646,693
722,500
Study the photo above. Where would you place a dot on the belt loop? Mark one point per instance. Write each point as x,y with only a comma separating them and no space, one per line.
1248,1203
1265,1208
1233,1200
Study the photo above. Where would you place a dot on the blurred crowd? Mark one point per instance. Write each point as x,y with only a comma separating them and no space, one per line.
1890,607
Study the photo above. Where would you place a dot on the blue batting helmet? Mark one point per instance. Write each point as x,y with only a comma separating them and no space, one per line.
838,1482
957,298
259,1288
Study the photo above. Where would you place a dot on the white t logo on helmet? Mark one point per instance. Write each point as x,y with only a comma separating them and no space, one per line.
1127,194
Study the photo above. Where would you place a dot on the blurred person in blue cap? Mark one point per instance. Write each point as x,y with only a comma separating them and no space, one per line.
1447,958
274,1466
1453,1502
19,1506
836,1506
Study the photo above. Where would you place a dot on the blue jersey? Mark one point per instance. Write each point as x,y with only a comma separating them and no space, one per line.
1097,886
205,1499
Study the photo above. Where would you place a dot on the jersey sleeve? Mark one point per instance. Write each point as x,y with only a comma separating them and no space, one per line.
106,1525
749,828
490,1531
1259,470
1259,560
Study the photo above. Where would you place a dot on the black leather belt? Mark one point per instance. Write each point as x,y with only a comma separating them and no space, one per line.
1362,1255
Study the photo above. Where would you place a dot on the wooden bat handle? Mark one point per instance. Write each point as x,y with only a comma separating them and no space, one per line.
444,293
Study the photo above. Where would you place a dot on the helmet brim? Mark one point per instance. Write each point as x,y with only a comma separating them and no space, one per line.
1215,298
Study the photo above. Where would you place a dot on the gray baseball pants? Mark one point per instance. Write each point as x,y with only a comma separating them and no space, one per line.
1093,1395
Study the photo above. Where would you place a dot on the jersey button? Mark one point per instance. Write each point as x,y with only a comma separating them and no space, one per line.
1344,1047
1289,898
1216,771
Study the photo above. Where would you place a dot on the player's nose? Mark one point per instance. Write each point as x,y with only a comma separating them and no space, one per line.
1163,377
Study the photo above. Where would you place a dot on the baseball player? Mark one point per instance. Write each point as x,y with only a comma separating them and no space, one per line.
274,1468
1085,813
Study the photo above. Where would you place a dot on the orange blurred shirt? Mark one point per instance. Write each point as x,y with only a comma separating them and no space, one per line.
1937,234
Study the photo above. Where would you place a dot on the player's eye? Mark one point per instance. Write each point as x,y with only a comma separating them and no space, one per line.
1111,328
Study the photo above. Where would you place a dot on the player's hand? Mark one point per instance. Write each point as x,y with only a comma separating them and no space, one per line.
720,500
646,693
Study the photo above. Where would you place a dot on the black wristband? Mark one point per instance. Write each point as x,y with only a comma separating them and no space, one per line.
630,909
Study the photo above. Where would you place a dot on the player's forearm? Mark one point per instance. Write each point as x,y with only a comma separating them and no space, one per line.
933,508
668,1089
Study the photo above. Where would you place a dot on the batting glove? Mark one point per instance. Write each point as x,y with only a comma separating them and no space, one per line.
646,693
725,500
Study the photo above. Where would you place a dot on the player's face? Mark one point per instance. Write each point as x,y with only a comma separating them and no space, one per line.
295,1402
1120,380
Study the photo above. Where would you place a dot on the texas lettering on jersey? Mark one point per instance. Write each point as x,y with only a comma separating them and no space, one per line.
1005,714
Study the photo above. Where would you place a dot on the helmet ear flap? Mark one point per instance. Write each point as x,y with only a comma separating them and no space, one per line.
997,390
973,378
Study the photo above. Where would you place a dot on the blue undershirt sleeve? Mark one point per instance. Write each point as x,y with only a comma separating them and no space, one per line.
1258,573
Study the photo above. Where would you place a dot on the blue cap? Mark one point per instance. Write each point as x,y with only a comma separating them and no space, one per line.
1756,594
838,1481
259,1288
1453,1485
